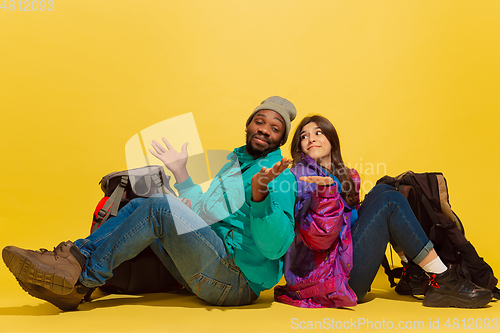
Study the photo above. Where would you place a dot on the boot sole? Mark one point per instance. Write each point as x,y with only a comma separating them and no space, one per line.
64,303
35,273
437,300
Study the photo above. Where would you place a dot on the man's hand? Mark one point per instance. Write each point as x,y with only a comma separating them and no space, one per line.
265,176
174,161
318,180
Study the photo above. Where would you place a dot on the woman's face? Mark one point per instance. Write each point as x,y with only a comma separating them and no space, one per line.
315,144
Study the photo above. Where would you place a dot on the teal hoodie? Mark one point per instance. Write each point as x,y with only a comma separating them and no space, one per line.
256,234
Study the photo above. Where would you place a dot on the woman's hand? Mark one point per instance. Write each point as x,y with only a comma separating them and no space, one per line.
318,180
174,161
265,176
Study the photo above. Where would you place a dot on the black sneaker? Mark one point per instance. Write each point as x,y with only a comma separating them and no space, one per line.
68,302
413,280
451,289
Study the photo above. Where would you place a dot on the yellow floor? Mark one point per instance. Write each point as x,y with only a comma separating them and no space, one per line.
20,312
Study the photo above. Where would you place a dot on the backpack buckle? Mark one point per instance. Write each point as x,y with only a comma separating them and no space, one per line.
446,226
101,213
156,179
123,181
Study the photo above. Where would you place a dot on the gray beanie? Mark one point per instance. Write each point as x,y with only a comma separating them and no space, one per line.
280,105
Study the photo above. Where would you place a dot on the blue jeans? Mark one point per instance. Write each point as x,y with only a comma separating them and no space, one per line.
197,259
384,216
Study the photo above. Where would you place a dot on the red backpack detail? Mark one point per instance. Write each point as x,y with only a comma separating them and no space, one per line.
95,218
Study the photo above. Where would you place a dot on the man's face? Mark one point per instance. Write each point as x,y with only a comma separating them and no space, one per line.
264,133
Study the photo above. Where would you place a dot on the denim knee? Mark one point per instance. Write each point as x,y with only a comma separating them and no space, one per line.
160,200
160,195
379,189
373,195
387,193
382,187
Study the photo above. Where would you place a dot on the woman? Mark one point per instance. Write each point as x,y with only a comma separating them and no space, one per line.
339,244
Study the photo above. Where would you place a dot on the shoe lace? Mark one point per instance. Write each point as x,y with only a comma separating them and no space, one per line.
461,279
58,248
433,283
404,273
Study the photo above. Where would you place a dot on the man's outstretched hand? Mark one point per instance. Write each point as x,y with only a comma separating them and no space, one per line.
174,161
265,176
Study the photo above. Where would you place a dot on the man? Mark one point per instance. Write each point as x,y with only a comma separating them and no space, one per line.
226,250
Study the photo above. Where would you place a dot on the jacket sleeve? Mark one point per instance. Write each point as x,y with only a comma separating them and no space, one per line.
189,190
321,225
271,220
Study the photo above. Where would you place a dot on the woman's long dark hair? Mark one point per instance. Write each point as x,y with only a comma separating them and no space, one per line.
337,167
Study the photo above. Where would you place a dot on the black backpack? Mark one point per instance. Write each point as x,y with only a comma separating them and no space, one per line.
144,273
427,194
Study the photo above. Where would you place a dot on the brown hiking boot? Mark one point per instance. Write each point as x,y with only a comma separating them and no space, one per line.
57,271
68,302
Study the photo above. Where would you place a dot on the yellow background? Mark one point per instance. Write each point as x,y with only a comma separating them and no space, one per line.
408,85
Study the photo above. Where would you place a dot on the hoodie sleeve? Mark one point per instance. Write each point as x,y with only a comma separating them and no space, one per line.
189,190
271,220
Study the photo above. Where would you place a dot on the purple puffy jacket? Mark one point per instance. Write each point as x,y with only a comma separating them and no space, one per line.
319,261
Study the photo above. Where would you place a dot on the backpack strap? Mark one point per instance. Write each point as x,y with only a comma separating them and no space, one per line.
166,189
444,202
407,179
157,181
496,293
115,197
391,273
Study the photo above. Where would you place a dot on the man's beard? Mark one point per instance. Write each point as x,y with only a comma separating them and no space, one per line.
257,151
